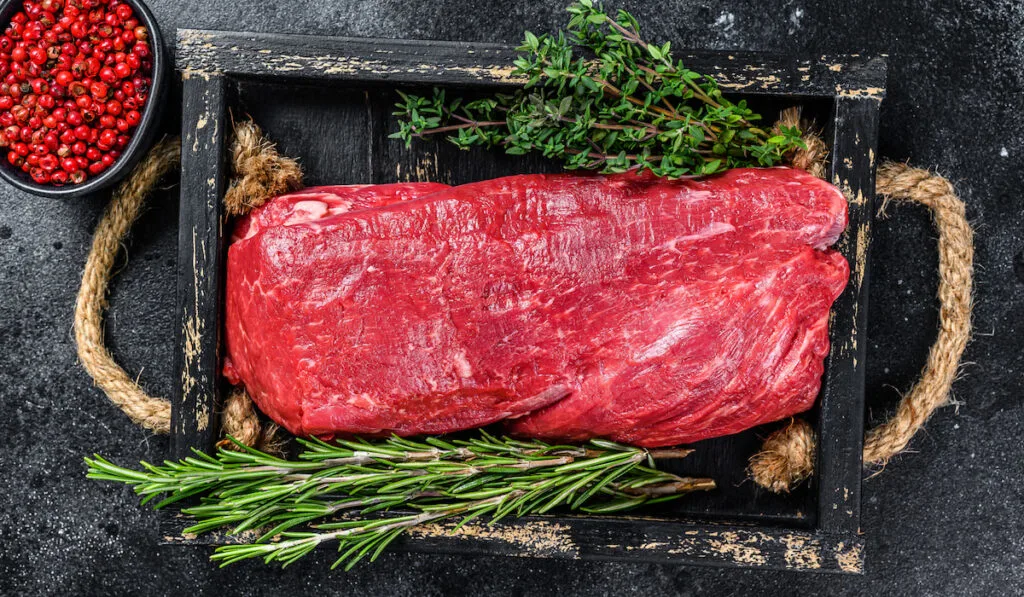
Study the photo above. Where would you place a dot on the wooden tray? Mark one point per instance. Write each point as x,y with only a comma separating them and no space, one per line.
329,100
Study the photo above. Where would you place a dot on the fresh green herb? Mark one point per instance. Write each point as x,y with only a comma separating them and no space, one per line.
627,106
346,491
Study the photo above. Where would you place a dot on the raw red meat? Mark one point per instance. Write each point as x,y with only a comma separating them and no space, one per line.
322,202
647,311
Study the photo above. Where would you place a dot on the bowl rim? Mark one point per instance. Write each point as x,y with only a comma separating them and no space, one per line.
142,137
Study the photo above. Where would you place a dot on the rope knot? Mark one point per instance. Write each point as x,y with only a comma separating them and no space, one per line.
785,459
811,157
259,173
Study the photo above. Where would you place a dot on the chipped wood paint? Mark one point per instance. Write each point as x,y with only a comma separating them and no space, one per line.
203,417
192,40
544,539
650,546
862,252
801,552
740,551
859,200
859,272
426,169
193,328
203,407
188,37
753,548
740,547
201,58
875,93
843,184
850,559
493,72
849,343
197,51
858,265
189,73
535,539
762,82
195,379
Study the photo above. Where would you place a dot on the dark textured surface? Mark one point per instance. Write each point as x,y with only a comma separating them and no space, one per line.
942,519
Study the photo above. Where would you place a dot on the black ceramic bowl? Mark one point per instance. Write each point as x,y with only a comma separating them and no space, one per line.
141,138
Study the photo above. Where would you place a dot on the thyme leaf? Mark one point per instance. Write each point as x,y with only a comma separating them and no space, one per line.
597,96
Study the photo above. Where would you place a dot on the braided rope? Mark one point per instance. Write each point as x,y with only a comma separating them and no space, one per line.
124,208
259,173
787,456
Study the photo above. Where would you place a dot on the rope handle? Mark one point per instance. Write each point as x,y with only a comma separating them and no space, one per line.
259,173
122,211
787,456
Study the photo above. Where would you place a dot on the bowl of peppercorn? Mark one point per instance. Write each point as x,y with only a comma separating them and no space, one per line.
81,84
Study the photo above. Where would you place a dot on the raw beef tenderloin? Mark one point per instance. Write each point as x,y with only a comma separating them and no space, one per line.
647,311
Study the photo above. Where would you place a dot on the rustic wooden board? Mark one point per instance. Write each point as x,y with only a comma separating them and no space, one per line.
200,285
395,61
621,538
329,102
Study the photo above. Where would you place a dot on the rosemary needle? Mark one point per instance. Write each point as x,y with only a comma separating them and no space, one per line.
364,494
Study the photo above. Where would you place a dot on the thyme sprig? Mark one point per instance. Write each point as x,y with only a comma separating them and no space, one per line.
348,491
622,104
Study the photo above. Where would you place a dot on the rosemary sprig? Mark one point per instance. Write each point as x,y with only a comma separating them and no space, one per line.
623,105
348,491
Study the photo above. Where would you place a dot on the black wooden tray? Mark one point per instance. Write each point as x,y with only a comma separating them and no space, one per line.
329,101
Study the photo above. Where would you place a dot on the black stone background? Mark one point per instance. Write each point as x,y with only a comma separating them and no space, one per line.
944,519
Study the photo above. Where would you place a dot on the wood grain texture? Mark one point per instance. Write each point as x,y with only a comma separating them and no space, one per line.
619,538
200,264
841,428
328,101
458,63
